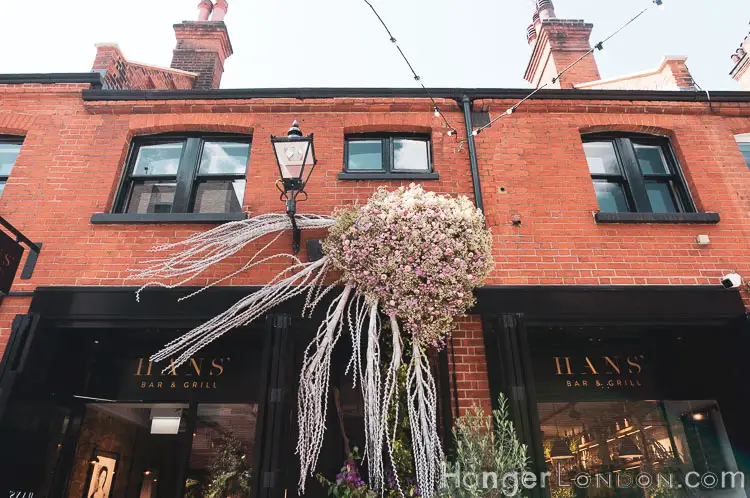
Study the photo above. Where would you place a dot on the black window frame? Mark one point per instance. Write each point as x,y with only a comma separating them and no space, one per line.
187,178
387,150
634,181
13,140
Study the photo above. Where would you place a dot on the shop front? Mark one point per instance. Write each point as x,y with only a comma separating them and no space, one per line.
626,392
86,414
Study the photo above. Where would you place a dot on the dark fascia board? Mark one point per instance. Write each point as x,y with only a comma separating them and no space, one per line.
447,93
94,79
550,304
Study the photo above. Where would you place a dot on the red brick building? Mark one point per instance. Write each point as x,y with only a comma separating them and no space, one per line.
617,206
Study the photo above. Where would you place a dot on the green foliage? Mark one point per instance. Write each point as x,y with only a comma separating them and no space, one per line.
229,473
485,445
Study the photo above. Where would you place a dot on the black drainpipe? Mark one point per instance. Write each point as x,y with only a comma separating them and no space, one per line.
472,153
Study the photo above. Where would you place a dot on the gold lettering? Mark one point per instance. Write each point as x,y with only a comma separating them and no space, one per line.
217,365
196,366
591,366
143,385
567,365
631,361
613,364
159,385
140,368
172,367
195,385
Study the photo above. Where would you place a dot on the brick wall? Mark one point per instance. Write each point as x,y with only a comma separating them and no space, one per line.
531,164
121,74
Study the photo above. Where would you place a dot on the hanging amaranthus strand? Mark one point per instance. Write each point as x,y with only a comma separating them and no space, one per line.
415,256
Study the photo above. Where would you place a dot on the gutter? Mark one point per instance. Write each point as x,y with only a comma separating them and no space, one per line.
466,105
94,79
444,93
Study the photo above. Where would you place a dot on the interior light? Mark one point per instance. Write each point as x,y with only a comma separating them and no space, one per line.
165,420
147,473
698,416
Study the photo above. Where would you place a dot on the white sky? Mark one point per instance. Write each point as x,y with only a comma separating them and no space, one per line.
339,43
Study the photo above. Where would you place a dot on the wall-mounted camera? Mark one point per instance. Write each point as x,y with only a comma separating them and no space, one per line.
731,281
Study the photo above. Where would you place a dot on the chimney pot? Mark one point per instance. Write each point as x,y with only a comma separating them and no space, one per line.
741,52
736,58
531,35
220,10
546,9
204,9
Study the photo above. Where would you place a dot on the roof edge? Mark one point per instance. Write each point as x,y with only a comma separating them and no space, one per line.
92,78
445,93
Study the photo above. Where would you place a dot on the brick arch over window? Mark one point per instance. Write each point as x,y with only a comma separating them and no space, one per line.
12,123
387,128
628,128
174,123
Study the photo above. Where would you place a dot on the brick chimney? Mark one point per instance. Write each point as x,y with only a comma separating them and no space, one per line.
557,43
741,59
203,45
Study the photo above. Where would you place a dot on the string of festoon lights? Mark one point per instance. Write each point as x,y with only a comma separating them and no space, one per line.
598,46
417,78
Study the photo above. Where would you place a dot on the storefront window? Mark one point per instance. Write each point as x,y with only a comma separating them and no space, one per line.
631,448
221,455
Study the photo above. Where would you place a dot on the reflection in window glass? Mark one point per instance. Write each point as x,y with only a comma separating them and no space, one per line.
661,198
745,148
8,155
410,155
365,155
219,196
221,456
151,197
614,439
651,159
601,158
611,197
224,158
159,159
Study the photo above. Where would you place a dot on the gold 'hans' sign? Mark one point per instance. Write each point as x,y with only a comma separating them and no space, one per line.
600,371
198,373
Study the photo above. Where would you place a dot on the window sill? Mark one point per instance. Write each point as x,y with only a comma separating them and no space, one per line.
696,218
388,176
133,218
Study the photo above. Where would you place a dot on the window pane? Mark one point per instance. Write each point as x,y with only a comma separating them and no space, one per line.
602,158
219,197
651,159
222,451
2,187
365,155
8,155
161,159
411,155
745,148
224,158
611,197
660,195
151,197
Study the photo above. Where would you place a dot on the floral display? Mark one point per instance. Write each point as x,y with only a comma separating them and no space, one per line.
418,253
408,254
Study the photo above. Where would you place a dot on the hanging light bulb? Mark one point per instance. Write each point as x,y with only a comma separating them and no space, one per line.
451,133
475,132
628,449
560,450
437,112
